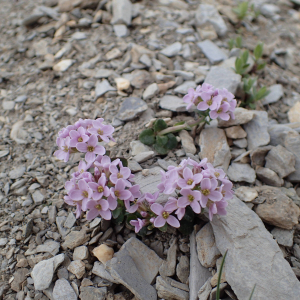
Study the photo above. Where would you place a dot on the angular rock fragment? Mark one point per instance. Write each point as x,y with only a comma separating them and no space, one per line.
268,176
283,237
172,103
242,116
168,267
257,130
278,209
212,51
183,269
253,253
131,108
91,293
122,12
208,252
166,291
187,142
214,147
246,194
63,290
172,50
238,172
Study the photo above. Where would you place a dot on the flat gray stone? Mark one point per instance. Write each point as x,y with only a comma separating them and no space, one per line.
38,197
283,237
208,14
257,130
253,254
183,88
280,160
276,92
131,108
214,54
172,50
151,91
208,252
166,291
99,270
168,266
221,77
143,156
198,273
238,172
246,193
242,116
214,147
122,12
183,269
268,177
43,272
91,293
17,172
187,142
103,87
63,291
49,246
120,30
146,260
133,280
172,103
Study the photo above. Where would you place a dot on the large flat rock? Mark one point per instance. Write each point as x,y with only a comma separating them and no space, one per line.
253,256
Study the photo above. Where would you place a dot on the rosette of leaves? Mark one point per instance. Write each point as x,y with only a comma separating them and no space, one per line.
161,143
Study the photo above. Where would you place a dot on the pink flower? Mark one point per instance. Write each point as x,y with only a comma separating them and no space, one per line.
163,216
209,101
207,88
169,182
119,192
218,207
189,98
91,148
208,190
69,201
84,193
189,180
122,174
82,167
64,152
221,112
99,207
99,189
78,136
151,198
191,198
99,129
172,204
138,224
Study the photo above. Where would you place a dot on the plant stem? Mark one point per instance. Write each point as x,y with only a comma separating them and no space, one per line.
181,127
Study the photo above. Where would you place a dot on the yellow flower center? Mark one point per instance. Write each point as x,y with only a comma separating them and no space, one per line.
219,110
209,102
90,148
66,149
165,215
205,192
98,206
198,100
85,194
100,132
80,139
135,201
191,198
117,193
217,174
119,175
100,189
81,171
190,181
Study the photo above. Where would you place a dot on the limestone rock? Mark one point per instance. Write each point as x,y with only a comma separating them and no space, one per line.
172,103
241,172
208,252
131,108
75,239
257,130
198,273
269,177
183,269
214,146
103,253
235,132
258,155
294,113
91,293
212,51
77,267
122,12
242,116
280,160
167,291
168,267
253,254
278,209
283,237
224,78
63,291
246,194
187,142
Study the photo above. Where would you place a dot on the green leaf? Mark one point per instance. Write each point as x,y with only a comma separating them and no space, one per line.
261,66
231,44
258,51
179,123
160,149
159,125
245,56
186,227
241,10
252,292
130,217
161,140
172,141
147,137
120,218
238,65
239,42
164,228
219,277
143,231
117,212
262,93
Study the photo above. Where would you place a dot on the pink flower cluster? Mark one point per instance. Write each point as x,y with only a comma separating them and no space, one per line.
218,102
83,137
98,192
198,185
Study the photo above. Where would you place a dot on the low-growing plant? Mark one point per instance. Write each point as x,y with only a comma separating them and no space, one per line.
241,63
235,43
258,53
211,103
243,10
104,186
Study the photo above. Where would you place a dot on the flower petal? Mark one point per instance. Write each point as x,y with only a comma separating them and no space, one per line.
159,222
173,221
